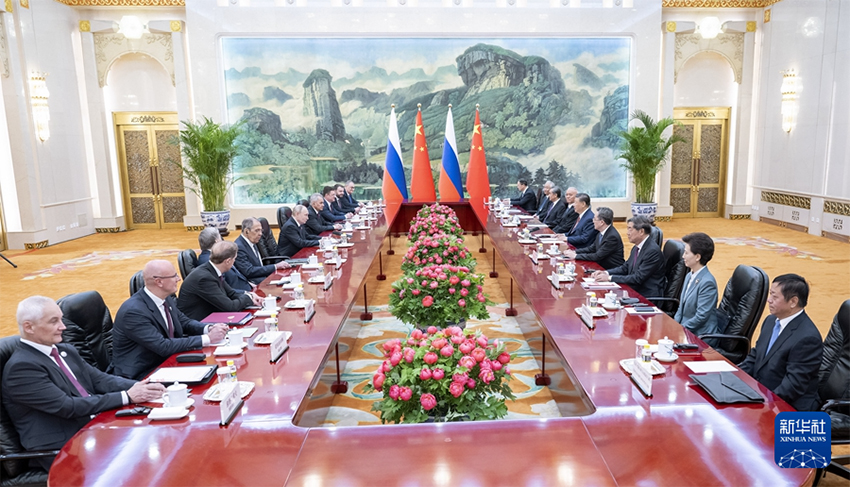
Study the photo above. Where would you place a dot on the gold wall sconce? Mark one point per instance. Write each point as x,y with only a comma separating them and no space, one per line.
790,107
40,108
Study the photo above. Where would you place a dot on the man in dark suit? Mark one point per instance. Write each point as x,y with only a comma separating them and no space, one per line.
49,391
342,204
349,195
644,271
544,203
293,235
206,239
206,291
569,217
316,223
149,328
248,260
328,212
787,356
555,211
582,232
526,200
606,249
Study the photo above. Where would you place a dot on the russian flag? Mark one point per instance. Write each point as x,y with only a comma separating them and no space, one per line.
394,186
451,187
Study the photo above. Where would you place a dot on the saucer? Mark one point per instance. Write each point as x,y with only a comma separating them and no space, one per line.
296,303
168,413
229,350
224,344
661,358
188,404
214,393
266,338
611,308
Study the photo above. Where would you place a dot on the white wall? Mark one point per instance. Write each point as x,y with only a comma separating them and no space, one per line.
706,80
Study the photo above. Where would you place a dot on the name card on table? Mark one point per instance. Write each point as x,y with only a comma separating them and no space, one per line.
586,315
556,280
533,256
278,346
338,261
230,403
329,281
642,377
309,310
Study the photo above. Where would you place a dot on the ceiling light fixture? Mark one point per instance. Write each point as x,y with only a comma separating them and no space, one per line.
709,27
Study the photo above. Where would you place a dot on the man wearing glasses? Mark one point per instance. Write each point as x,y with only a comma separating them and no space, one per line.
149,328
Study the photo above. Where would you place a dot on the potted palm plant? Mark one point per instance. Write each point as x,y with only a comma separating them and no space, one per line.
208,151
644,151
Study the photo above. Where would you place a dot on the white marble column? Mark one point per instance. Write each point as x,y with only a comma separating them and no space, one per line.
739,177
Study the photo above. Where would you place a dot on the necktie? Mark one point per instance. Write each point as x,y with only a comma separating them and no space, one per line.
82,390
599,240
576,225
551,207
257,254
168,320
221,279
637,253
776,329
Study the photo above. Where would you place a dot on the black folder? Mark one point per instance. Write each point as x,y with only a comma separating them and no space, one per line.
727,388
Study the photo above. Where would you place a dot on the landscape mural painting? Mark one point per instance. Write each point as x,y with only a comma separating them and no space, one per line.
316,110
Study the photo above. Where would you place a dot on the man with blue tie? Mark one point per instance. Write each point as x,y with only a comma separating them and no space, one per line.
556,209
349,195
206,239
644,271
328,212
582,232
149,327
248,260
49,391
607,248
788,353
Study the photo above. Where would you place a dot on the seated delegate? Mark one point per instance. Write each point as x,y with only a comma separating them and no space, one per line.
606,248
568,218
316,223
644,270
206,239
49,391
248,260
555,210
698,301
582,232
205,291
526,199
293,235
149,327
788,353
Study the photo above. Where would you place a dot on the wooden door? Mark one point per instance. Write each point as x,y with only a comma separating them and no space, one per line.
151,170
698,166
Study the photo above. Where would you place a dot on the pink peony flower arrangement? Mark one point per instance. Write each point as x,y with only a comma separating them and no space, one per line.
439,295
433,220
437,249
442,381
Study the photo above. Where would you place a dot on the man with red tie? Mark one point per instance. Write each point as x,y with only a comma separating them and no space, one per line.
149,327
582,232
644,270
49,391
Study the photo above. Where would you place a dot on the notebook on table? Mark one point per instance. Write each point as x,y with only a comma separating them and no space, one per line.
229,318
727,388
191,375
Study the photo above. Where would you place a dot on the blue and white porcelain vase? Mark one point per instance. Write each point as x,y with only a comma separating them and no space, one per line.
216,219
645,209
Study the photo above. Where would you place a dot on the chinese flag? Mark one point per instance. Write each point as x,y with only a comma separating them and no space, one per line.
477,181
422,181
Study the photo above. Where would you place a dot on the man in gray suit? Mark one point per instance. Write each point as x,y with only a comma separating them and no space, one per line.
49,391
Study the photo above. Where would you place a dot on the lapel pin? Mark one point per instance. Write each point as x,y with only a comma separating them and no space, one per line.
63,354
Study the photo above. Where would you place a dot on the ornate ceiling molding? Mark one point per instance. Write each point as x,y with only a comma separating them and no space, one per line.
717,3
728,45
124,3
109,47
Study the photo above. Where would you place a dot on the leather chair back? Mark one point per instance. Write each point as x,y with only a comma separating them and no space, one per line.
284,213
834,375
137,282
267,244
657,236
675,270
10,442
186,261
303,203
88,327
740,309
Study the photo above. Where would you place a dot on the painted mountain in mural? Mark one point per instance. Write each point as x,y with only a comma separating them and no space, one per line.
308,126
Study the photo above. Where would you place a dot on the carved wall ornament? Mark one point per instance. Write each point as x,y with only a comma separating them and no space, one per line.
786,199
85,26
8,4
751,26
25,3
701,114
766,15
717,3
109,47
728,45
176,26
4,50
671,26
836,208
124,3
745,216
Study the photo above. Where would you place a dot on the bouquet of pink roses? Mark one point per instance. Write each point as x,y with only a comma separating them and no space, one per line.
437,249
436,209
450,375
432,224
437,295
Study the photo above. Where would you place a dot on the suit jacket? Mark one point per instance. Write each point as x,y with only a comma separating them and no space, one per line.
233,277
790,368
553,214
345,203
329,214
542,205
606,250
293,237
46,409
350,201
583,233
140,339
698,305
338,207
203,293
316,223
527,200
647,276
567,220
247,262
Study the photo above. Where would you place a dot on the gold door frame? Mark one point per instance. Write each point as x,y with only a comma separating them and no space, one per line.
699,117
144,121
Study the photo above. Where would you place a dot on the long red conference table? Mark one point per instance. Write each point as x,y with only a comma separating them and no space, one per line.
679,436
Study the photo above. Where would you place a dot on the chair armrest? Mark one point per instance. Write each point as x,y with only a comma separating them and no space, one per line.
26,455
274,259
662,298
729,337
834,404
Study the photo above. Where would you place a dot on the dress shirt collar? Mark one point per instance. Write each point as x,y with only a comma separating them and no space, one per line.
41,348
694,274
157,301
784,322
602,233
640,245
217,271
582,213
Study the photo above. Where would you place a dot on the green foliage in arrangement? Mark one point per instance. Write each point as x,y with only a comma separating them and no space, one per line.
644,151
208,150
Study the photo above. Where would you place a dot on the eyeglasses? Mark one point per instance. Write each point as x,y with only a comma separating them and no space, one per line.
166,277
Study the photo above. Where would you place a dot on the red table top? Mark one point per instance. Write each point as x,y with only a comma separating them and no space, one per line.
677,437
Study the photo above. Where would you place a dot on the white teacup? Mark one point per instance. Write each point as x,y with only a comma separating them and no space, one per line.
235,337
176,395
313,260
270,302
295,277
665,347
611,299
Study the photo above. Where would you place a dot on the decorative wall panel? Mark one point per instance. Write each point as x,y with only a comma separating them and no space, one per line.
168,158
786,199
109,47
707,200
728,45
138,161
680,200
143,210
710,154
173,209
682,161
4,50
